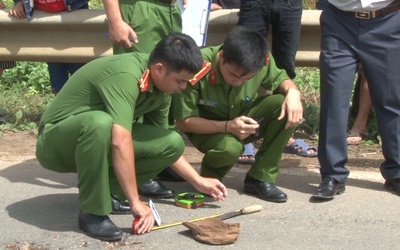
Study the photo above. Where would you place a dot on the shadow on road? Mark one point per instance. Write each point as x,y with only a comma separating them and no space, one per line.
31,172
53,212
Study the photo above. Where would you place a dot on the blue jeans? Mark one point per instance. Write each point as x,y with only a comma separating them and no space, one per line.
60,72
284,17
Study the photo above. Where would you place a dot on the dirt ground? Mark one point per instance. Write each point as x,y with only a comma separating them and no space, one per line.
20,146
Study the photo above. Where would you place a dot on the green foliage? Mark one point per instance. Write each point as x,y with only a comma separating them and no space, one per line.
307,80
33,77
8,3
24,94
309,4
96,4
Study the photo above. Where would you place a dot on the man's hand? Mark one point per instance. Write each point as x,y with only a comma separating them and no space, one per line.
215,6
122,34
212,187
293,108
242,127
18,10
146,221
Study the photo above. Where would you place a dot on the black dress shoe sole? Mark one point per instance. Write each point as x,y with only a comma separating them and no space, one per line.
254,191
115,238
340,190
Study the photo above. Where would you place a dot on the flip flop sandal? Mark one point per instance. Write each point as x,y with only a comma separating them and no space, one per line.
248,151
301,148
356,134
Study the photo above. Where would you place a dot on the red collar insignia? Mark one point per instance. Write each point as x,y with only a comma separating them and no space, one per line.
267,60
144,81
201,73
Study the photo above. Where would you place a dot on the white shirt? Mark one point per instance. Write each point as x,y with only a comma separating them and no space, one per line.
360,5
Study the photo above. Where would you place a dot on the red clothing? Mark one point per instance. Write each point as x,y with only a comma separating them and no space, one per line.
50,5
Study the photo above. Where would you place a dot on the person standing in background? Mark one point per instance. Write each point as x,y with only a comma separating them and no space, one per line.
361,104
284,17
354,32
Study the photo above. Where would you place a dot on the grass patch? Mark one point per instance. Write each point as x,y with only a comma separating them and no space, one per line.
307,80
25,93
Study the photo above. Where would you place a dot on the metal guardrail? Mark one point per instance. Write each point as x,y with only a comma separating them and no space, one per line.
79,36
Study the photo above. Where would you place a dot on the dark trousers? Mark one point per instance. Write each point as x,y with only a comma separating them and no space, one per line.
60,72
375,43
284,17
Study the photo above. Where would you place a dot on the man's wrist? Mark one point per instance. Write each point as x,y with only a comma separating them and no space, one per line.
226,127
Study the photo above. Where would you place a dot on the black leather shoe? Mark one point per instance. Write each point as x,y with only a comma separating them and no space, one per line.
99,227
120,207
328,188
393,185
156,189
168,174
264,190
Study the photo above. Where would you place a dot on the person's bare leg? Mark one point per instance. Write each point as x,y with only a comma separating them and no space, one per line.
365,106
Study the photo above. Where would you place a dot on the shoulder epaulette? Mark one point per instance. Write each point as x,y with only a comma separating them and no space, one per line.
201,73
144,81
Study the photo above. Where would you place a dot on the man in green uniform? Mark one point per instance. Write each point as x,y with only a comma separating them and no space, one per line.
137,26
91,128
219,113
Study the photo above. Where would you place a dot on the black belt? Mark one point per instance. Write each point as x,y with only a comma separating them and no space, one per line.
394,6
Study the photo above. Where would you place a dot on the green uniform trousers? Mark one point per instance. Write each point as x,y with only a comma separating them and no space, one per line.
81,144
151,20
222,150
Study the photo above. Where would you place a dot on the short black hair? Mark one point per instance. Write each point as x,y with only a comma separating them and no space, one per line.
179,52
246,48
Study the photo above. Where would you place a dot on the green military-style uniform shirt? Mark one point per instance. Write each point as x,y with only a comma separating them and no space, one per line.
116,91
75,132
212,98
151,20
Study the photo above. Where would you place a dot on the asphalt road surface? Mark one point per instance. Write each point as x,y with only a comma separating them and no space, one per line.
39,210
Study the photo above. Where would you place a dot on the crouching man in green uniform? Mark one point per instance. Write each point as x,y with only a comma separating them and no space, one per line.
90,128
219,112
